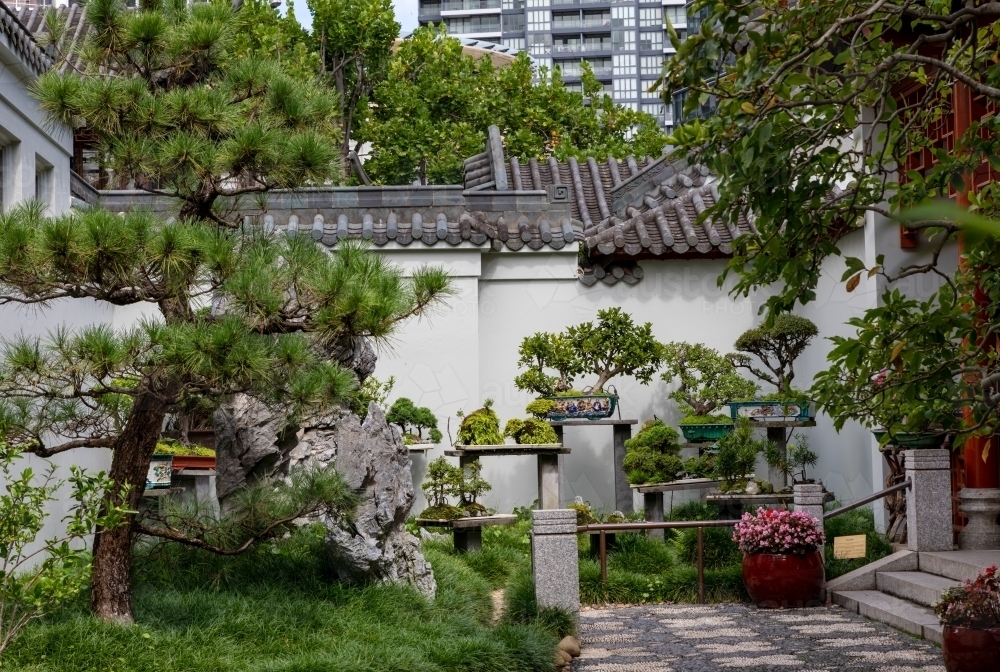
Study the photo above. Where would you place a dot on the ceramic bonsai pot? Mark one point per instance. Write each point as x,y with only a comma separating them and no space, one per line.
772,411
707,432
583,407
971,649
193,462
775,580
159,473
912,439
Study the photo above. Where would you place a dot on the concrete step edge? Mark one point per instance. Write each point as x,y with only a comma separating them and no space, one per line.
901,614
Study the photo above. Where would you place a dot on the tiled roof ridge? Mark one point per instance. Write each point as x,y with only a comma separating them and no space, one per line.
33,20
473,227
22,40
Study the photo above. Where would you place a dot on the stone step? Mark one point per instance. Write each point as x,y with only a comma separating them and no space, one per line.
918,587
957,565
913,618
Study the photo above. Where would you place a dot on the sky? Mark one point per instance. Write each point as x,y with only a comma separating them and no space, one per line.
406,13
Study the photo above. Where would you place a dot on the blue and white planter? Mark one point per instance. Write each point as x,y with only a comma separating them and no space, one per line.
159,473
583,407
771,411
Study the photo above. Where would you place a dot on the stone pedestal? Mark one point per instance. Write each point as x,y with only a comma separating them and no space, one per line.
928,500
982,506
469,540
548,482
554,559
779,437
623,493
653,505
809,497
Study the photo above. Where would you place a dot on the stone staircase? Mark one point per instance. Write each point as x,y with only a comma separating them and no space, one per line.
899,589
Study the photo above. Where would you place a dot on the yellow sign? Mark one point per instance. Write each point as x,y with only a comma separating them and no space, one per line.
854,546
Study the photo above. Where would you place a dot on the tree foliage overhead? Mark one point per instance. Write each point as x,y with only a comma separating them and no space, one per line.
829,115
435,105
178,105
353,40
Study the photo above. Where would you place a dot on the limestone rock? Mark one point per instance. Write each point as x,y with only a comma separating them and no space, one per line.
372,546
247,444
570,645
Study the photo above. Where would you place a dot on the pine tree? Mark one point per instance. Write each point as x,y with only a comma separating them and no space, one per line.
185,116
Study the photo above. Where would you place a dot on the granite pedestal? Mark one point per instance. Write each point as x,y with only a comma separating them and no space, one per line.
554,559
928,500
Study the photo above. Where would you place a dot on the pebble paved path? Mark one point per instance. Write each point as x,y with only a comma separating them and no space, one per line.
686,638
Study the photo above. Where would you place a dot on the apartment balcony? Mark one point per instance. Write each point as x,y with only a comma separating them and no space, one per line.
581,23
469,5
582,47
430,14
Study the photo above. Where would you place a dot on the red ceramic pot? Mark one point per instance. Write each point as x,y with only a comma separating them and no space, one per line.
776,580
971,649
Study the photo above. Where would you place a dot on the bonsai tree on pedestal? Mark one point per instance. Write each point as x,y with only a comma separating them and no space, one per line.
406,415
793,462
652,455
532,430
707,381
472,487
480,428
444,480
776,347
613,346
736,459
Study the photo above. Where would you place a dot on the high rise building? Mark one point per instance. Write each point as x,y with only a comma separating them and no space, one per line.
625,41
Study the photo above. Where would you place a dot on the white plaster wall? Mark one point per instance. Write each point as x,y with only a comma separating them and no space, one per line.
27,139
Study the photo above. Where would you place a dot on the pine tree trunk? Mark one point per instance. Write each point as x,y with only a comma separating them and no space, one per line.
110,588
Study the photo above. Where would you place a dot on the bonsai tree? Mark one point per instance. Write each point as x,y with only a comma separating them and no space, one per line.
652,455
793,465
614,346
530,431
700,467
737,455
472,486
444,480
371,390
539,408
480,428
406,415
776,347
707,381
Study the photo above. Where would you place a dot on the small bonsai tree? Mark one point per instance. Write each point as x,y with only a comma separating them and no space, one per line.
794,461
651,456
480,428
473,486
444,480
614,346
584,514
371,390
406,415
777,347
737,454
700,467
530,431
707,381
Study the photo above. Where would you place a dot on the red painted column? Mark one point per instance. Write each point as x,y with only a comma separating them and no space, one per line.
979,473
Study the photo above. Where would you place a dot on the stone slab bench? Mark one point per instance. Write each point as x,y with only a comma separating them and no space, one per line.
468,532
547,455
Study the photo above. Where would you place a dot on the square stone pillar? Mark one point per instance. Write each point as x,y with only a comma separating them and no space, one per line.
548,482
623,493
554,559
928,500
808,497
653,504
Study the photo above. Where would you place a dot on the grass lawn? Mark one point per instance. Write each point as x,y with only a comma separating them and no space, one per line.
274,610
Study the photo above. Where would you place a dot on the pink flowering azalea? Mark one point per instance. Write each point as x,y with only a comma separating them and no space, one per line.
778,531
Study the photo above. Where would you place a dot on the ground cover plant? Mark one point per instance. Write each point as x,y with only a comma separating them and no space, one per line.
275,611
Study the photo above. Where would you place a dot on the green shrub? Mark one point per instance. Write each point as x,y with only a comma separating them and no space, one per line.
175,447
651,455
540,407
655,436
693,511
640,554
